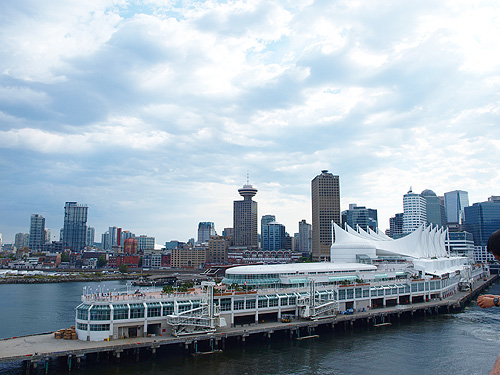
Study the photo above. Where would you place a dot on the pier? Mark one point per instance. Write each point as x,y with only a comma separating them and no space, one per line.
37,352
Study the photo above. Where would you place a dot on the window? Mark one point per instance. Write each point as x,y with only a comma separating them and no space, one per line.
98,312
136,311
82,312
250,304
99,327
81,326
262,303
168,308
239,305
120,312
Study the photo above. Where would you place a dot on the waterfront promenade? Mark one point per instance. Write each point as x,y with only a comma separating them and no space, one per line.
42,348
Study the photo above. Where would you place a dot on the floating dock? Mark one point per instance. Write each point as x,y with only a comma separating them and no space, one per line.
39,350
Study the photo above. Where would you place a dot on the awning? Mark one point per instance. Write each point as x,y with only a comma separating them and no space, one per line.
343,278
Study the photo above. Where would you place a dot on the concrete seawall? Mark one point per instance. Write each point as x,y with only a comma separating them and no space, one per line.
39,350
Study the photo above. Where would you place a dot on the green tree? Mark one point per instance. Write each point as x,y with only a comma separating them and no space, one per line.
101,261
123,268
168,289
64,257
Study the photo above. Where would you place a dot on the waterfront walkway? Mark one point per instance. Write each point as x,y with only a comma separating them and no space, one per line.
44,346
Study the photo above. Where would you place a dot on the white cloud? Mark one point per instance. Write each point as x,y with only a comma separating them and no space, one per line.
167,105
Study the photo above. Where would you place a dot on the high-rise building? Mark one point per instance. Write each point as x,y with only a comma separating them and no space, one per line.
206,229
415,213
22,240
265,220
360,215
37,232
455,202
434,207
396,226
145,243
273,236
74,234
325,192
90,236
245,218
48,236
304,243
217,249
482,219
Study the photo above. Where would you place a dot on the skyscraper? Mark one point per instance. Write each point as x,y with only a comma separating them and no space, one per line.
273,236
325,192
436,214
90,236
396,226
360,215
482,219
206,229
414,211
75,226
245,218
304,238
266,219
37,232
455,202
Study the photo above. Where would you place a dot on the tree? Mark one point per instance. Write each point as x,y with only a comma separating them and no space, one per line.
123,268
64,257
101,261
168,289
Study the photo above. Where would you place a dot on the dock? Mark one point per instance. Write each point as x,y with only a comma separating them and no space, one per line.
39,350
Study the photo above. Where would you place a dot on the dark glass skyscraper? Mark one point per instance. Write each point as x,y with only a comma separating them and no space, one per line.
436,214
482,219
75,226
359,215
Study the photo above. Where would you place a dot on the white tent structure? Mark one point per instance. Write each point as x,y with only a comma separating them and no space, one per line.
425,247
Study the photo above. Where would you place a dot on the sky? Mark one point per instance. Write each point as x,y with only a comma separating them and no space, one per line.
153,113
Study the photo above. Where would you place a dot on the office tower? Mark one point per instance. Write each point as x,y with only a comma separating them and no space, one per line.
206,229
396,226
304,238
360,215
455,201
22,240
436,213
217,249
325,192
245,218
414,214
37,232
145,243
265,220
90,236
74,234
482,219
273,236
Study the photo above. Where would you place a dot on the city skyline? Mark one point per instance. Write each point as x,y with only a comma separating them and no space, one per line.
294,226
152,114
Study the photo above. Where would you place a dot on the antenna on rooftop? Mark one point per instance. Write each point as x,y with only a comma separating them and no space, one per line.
248,179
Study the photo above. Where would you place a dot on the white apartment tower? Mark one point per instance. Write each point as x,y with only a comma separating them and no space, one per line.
415,213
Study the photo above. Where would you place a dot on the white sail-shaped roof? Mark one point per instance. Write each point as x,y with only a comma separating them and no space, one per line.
424,246
421,243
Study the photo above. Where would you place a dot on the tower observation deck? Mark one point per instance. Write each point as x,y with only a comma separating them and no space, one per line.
247,192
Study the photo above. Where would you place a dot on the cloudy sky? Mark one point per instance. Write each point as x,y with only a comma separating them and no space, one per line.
153,112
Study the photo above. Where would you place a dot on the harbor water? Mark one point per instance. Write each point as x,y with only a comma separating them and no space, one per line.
461,343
